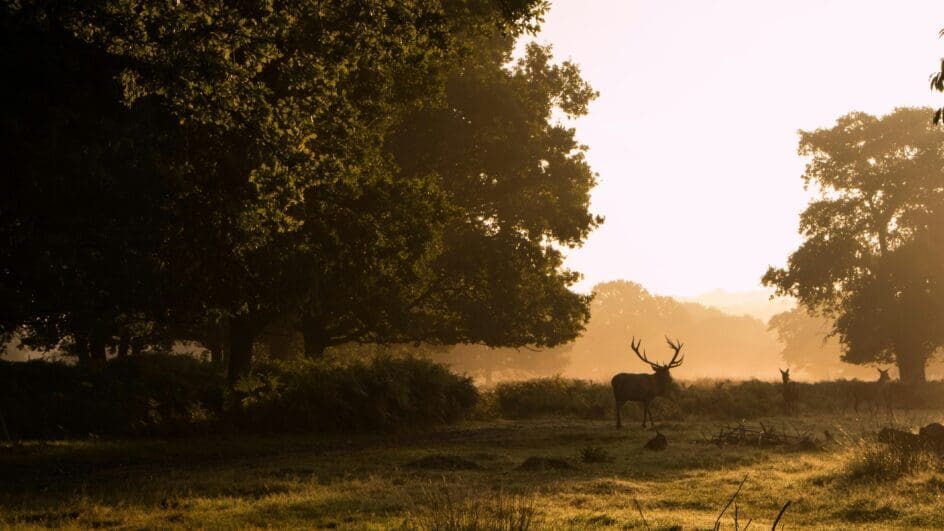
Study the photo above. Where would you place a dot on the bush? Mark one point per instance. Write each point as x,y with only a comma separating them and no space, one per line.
141,395
553,396
722,400
381,394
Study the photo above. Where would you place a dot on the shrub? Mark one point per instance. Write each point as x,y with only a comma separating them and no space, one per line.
381,394
722,400
553,396
154,394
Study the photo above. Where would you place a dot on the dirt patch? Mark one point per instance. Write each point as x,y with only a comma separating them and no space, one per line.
444,462
533,464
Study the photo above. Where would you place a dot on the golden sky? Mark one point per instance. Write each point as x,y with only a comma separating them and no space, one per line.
694,133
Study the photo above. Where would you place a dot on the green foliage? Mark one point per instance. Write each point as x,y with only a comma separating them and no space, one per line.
381,394
329,167
145,395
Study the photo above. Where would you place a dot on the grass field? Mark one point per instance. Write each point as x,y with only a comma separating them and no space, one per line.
357,482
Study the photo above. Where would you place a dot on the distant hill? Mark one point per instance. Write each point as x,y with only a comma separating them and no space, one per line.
754,303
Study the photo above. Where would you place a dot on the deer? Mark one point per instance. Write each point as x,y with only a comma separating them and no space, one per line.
878,393
791,394
644,388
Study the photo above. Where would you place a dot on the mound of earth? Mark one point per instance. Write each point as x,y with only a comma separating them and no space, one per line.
657,443
444,462
533,463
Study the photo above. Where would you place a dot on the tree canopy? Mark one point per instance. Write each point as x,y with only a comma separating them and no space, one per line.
360,171
872,255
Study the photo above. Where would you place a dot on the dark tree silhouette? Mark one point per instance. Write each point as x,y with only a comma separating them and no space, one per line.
937,83
362,172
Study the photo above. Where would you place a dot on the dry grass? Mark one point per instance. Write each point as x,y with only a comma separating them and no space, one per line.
362,482
450,508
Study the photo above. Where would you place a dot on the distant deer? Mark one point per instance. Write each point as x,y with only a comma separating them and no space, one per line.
644,387
877,393
791,394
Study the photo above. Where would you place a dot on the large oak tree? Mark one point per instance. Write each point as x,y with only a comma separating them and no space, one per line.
873,255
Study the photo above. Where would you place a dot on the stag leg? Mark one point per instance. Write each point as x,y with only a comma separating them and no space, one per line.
645,413
619,421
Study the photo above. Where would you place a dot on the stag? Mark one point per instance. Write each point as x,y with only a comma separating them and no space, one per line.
644,388
877,393
791,394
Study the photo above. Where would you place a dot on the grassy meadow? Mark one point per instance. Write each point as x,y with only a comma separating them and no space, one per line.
472,473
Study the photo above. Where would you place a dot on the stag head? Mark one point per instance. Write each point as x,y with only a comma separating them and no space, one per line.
662,371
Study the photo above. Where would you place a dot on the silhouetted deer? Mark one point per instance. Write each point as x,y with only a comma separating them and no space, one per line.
644,387
877,393
791,394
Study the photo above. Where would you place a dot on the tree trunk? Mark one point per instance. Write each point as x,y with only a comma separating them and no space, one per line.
124,344
82,349
241,335
316,340
97,347
137,345
216,353
911,367
217,343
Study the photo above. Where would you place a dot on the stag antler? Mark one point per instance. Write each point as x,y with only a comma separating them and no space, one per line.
677,347
642,355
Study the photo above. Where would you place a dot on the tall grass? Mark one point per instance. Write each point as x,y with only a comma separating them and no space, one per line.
453,509
868,460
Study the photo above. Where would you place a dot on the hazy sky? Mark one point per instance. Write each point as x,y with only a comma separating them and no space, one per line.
694,133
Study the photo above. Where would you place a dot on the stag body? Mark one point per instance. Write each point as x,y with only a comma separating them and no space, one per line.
791,394
643,388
